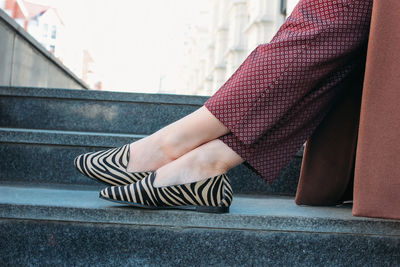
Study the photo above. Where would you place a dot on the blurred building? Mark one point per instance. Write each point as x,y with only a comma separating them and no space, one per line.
215,50
42,22
45,24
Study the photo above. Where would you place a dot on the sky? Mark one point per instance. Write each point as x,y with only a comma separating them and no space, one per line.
133,42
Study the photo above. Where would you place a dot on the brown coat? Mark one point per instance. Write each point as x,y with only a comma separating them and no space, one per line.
363,148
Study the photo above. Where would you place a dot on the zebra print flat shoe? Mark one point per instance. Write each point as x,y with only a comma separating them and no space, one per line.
109,166
213,194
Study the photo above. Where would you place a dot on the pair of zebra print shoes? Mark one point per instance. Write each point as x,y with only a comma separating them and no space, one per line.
213,194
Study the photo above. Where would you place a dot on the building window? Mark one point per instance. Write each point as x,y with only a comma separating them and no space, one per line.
53,32
45,29
283,7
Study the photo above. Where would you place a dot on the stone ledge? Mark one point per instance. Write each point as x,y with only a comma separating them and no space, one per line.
66,243
247,213
90,111
73,138
46,156
65,138
57,93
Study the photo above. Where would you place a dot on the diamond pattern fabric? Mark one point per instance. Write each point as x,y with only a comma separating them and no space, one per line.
283,90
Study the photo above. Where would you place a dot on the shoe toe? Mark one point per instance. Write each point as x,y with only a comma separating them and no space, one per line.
108,166
78,163
112,193
104,193
83,165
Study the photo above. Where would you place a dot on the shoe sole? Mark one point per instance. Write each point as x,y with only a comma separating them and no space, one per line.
206,209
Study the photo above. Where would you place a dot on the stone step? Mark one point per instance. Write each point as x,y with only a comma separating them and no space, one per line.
71,226
46,157
92,111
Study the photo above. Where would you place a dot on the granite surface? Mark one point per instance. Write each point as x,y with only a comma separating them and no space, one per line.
59,93
73,227
48,243
268,213
46,156
62,124
92,111
89,115
65,138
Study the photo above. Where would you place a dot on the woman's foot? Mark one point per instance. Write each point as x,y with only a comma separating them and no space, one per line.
108,166
208,160
149,153
174,140
213,194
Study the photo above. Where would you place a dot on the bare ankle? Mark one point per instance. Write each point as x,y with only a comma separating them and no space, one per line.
219,155
210,162
147,155
171,145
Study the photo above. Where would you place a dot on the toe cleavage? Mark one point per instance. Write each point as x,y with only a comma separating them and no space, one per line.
109,166
213,194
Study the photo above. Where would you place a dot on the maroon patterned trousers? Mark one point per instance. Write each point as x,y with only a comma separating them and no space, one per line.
283,90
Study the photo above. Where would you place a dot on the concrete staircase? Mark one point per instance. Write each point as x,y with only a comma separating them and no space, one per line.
51,215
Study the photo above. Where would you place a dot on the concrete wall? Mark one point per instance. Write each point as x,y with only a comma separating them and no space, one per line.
24,62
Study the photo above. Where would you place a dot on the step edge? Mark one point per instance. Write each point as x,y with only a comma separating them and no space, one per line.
106,96
82,134
53,131
64,138
271,223
5,133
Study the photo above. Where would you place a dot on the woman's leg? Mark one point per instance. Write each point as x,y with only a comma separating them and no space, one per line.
280,93
174,140
284,88
208,160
